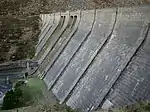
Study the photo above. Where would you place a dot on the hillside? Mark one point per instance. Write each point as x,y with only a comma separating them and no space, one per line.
19,22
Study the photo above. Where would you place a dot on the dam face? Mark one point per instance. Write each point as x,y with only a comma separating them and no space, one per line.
96,58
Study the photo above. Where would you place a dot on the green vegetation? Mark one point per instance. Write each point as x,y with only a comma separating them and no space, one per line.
30,95
23,94
14,98
139,107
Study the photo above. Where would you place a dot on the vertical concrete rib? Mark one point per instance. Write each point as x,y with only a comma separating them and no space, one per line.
57,21
132,85
71,49
54,40
43,20
128,34
89,87
58,44
57,52
49,39
47,28
47,16
114,80
100,35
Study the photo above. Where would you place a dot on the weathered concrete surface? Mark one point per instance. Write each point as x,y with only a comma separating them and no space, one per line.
58,47
54,39
126,38
56,52
80,36
42,20
105,60
46,21
46,27
100,32
57,23
133,84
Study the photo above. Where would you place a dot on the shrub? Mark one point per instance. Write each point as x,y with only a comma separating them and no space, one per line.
13,98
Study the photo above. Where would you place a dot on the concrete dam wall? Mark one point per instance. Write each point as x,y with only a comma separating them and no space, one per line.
96,58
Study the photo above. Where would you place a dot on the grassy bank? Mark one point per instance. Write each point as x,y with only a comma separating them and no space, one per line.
37,98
